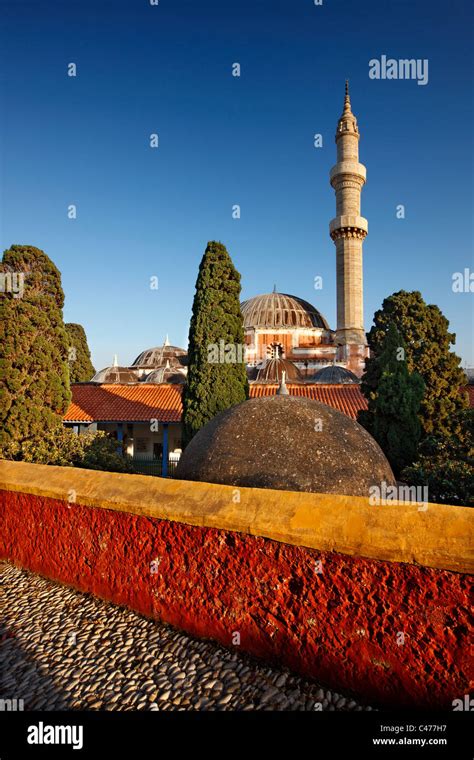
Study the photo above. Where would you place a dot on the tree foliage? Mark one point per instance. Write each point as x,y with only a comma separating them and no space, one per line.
64,448
214,385
392,416
446,464
34,373
81,369
427,340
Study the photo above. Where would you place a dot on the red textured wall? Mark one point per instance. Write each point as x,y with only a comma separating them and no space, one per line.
339,626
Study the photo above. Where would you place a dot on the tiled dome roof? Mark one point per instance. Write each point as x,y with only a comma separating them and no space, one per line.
166,375
272,370
158,356
334,375
115,375
280,310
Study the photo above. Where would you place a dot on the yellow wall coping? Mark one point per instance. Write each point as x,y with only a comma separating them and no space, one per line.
439,536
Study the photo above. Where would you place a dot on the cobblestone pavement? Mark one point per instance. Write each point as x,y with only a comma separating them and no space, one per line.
61,649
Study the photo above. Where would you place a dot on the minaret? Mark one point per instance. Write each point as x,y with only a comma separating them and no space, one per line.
348,230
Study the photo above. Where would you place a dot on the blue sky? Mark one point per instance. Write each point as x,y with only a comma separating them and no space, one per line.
144,212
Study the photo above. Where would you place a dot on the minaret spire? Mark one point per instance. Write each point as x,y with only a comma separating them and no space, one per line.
348,230
347,100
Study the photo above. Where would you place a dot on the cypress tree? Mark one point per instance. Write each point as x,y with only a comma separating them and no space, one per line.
34,389
217,377
424,331
392,417
81,368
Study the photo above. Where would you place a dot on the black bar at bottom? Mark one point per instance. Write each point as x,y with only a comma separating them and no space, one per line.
216,734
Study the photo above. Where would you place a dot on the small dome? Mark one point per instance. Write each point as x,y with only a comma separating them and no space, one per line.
153,358
274,442
115,375
334,375
166,375
272,370
279,310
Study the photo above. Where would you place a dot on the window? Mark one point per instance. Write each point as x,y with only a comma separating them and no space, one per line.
141,446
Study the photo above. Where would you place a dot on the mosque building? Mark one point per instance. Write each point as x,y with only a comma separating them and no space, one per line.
283,334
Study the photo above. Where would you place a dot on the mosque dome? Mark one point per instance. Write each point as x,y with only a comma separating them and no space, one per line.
166,374
280,311
334,375
115,374
274,442
153,358
272,370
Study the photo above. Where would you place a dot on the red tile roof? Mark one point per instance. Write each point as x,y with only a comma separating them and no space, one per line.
345,398
124,403
143,402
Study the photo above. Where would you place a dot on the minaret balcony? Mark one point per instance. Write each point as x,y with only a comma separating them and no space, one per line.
350,169
356,226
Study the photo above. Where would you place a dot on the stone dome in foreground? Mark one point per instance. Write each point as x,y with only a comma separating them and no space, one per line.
288,443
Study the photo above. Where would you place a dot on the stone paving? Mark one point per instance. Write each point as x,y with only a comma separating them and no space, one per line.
62,650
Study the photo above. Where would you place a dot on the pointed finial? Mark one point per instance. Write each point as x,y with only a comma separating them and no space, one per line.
167,341
115,364
274,288
283,390
347,100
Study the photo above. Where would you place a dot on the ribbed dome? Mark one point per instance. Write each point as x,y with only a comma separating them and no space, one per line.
158,356
280,310
272,370
334,375
166,375
115,375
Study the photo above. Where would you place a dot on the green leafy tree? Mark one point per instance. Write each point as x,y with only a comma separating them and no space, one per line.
64,448
446,464
34,372
81,368
392,416
427,341
217,377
